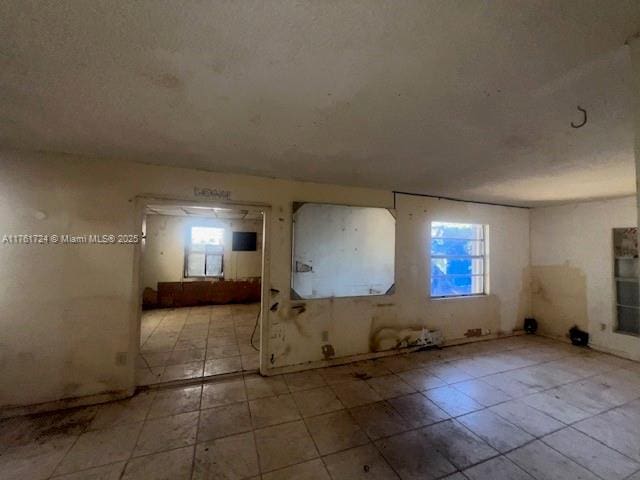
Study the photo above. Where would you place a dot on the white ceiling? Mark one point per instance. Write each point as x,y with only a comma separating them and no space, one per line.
469,99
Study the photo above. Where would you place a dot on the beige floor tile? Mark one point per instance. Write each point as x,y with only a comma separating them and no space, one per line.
167,433
191,344
221,366
223,421
527,418
273,410
360,463
458,444
311,470
284,445
355,393
406,455
369,369
222,341
335,431
452,401
585,395
123,412
179,357
149,376
304,380
221,331
616,430
100,447
261,387
510,385
421,379
153,359
174,401
379,420
106,472
543,376
316,401
247,349
339,374
481,392
40,428
456,476
402,363
250,361
495,430
182,372
34,461
418,410
542,462
174,342
555,407
591,454
233,457
223,392
170,465
499,468
448,373
390,386
224,351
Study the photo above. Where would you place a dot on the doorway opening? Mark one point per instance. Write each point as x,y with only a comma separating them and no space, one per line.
202,270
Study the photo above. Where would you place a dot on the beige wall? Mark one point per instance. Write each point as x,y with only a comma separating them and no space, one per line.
69,313
163,257
572,270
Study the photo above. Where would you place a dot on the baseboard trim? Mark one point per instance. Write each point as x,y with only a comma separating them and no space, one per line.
63,404
373,355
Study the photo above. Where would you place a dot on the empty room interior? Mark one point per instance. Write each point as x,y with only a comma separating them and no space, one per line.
201,279
351,239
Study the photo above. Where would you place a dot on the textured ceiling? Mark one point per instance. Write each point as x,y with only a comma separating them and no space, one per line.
468,99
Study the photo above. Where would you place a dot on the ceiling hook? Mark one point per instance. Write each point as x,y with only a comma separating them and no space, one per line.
584,113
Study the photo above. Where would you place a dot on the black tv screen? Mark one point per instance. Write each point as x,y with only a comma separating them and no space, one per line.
244,241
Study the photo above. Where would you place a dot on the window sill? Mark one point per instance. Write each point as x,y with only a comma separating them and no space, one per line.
207,277
626,333
459,297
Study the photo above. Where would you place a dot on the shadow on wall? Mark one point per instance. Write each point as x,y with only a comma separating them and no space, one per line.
559,298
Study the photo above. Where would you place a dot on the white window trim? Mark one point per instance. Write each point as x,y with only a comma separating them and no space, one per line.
483,257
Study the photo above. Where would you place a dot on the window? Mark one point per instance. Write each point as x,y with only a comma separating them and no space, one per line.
627,274
457,259
203,256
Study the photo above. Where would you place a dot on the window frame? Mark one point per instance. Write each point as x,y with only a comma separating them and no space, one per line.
482,257
208,251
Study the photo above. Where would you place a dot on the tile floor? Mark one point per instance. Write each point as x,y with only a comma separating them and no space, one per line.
520,408
190,343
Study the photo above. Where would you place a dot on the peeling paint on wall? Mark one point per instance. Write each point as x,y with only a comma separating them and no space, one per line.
389,338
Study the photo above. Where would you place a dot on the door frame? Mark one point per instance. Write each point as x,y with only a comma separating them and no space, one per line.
141,204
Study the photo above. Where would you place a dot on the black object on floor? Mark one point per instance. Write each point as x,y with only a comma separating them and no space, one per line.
530,325
578,337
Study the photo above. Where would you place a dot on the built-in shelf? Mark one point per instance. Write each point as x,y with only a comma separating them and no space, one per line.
627,279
